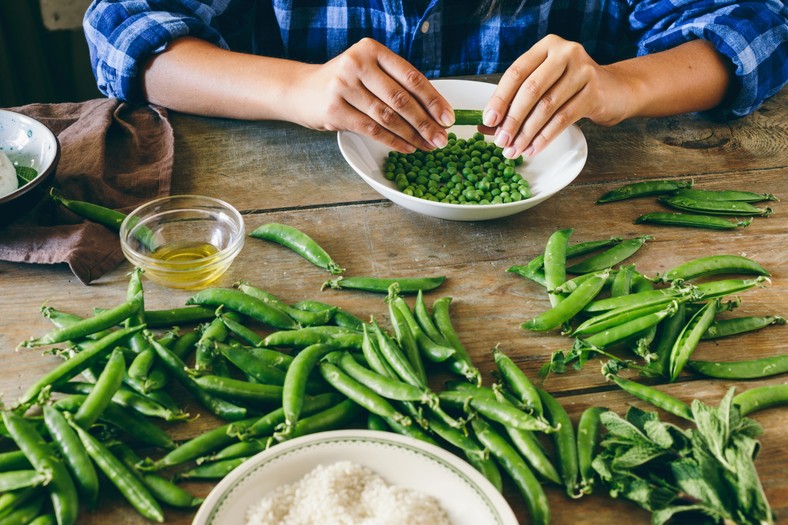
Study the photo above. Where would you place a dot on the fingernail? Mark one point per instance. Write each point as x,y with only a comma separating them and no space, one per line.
501,138
529,151
440,140
447,119
510,152
490,117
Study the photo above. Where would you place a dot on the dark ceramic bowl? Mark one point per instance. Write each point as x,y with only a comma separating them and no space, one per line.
27,142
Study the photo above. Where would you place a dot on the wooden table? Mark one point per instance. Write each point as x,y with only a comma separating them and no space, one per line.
280,172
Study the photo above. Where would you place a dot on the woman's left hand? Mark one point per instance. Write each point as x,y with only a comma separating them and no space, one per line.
551,86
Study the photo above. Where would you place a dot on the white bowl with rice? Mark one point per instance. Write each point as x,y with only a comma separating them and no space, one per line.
350,475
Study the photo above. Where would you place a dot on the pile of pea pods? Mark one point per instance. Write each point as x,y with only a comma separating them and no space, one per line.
661,320
106,408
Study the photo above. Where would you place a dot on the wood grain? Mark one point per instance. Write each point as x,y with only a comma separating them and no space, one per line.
279,172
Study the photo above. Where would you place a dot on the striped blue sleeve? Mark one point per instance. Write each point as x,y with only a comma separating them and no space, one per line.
753,35
122,35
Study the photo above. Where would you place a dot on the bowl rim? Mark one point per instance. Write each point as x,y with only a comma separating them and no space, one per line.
230,251
43,174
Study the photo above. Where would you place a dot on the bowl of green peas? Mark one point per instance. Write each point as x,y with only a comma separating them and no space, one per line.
469,179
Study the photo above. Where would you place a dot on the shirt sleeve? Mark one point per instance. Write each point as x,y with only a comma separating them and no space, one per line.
122,34
753,35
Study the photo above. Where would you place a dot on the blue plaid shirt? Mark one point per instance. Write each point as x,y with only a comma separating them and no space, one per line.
444,37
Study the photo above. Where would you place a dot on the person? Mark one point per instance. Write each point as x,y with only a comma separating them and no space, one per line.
364,65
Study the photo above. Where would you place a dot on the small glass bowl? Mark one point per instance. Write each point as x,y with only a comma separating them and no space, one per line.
183,241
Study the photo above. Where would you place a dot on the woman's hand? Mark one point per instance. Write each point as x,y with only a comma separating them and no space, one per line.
551,86
370,90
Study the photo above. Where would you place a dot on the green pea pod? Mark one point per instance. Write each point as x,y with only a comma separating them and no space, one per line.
691,220
499,411
360,393
611,256
587,440
725,195
515,466
431,350
761,397
468,117
386,387
126,482
555,262
74,455
239,389
178,316
572,250
565,443
461,362
245,304
299,242
20,479
714,265
161,489
340,317
91,353
337,416
294,389
643,189
739,325
62,491
303,317
101,394
689,338
101,321
382,284
212,471
745,369
396,359
517,382
715,207
177,368
13,460
571,306
407,341
652,395
25,512
336,336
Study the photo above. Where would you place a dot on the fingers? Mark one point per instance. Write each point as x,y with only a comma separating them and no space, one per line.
543,93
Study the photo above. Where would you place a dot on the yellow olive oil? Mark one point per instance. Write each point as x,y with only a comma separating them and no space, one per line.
174,269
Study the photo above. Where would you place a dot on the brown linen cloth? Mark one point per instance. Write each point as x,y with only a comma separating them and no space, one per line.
112,154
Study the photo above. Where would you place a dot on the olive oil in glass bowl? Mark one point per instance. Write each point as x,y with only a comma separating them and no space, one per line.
183,241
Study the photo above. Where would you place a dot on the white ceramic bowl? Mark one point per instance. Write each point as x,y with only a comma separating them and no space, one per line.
467,496
27,142
547,173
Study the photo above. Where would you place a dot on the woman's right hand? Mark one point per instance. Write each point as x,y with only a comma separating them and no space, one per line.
371,91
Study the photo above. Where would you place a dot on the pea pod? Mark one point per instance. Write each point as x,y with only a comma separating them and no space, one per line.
725,195
91,353
761,397
62,492
74,455
126,482
177,316
555,262
715,207
386,387
611,256
643,189
360,393
499,411
517,382
25,512
177,368
587,440
336,336
739,325
20,479
651,395
714,265
571,306
242,303
407,342
744,369
431,350
303,317
516,468
461,362
340,318
565,443
689,338
212,471
691,220
572,250
237,389
299,242
382,284
101,321
468,117
101,394
294,389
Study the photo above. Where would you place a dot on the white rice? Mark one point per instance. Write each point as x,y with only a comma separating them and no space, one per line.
345,493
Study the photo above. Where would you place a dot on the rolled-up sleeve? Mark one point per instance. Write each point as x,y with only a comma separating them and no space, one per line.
122,35
753,35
